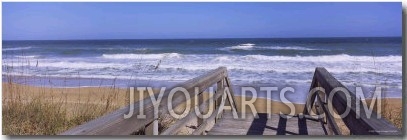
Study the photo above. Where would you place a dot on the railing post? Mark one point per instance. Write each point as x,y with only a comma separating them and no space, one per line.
322,102
114,124
152,129
340,103
229,85
219,87
311,98
204,111
155,126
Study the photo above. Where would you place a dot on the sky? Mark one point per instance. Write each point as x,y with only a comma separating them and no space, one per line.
64,21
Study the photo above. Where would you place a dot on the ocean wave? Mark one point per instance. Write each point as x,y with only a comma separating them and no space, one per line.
69,64
27,56
249,47
103,76
287,48
124,48
237,62
248,44
327,58
17,48
276,70
244,68
142,56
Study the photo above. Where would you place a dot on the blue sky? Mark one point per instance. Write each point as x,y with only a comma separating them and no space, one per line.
60,21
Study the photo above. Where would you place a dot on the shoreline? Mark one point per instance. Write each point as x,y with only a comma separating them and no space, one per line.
122,89
137,83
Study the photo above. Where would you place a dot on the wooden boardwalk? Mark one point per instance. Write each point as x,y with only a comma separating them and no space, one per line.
275,125
223,105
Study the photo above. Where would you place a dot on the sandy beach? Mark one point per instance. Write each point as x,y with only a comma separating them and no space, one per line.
93,102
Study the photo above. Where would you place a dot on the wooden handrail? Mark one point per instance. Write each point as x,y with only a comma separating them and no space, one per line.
329,116
180,123
218,99
359,126
115,124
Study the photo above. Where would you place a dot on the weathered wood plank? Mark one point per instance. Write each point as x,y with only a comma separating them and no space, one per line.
329,116
201,128
362,126
275,125
115,124
181,123
232,93
311,96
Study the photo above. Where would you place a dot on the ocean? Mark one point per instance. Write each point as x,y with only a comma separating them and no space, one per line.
280,62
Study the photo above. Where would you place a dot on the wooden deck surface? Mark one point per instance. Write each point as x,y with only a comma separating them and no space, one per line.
277,125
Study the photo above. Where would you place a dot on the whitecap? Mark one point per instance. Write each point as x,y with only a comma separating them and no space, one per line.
247,46
27,56
287,48
17,48
143,56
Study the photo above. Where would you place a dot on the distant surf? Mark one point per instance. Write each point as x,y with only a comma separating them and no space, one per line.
250,46
16,48
252,62
142,56
247,46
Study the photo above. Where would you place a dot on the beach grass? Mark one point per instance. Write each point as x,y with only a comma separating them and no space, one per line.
29,110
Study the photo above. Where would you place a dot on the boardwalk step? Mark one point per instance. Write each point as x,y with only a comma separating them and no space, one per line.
276,125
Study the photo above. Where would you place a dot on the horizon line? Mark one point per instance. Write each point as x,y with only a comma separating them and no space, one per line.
200,38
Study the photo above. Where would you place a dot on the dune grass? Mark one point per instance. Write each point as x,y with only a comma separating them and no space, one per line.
31,110
47,110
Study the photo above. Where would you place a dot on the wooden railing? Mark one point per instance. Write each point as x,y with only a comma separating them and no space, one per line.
115,123
363,125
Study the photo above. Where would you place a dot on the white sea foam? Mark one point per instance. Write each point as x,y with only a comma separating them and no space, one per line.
142,56
247,64
280,64
287,64
327,58
124,48
286,48
68,64
247,46
243,68
222,59
250,46
17,48
27,56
